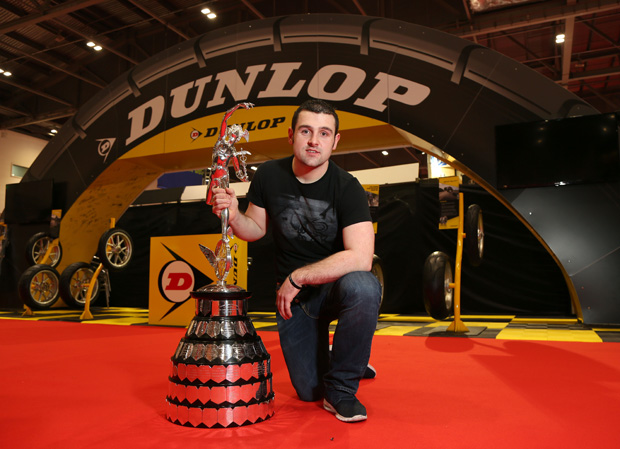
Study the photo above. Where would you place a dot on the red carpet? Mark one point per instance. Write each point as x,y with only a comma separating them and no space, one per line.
68,385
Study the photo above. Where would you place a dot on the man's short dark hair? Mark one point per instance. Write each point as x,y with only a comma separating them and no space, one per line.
319,107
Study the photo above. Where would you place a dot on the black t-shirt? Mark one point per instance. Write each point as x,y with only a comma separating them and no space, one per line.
307,219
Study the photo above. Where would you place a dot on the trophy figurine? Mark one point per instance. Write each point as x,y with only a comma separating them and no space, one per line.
224,152
220,374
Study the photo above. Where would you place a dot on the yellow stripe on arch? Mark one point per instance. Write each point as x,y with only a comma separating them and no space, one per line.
268,130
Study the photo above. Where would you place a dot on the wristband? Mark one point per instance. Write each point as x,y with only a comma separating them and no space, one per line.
290,279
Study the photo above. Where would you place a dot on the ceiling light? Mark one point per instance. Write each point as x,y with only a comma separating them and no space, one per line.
6,73
94,46
385,153
207,12
560,38
54,131
254,167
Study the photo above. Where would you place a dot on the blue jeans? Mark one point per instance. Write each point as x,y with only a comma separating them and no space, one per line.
354,301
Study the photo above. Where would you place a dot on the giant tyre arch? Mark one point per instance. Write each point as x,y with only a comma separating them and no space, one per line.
396,83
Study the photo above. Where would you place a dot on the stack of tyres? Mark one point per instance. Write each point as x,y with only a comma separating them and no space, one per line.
221,372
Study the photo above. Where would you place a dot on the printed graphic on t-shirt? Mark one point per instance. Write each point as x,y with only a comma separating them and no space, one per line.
305,219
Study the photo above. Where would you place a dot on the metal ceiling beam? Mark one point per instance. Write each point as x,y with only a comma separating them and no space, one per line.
359,7
469,17
54,66
66,27
448,7
373,162
467,11
338,6
47,14
251,7
89,38
529,51
411,152
601,97
584,56
25,121
4,79
160,20
533,15
12,111
567,49
600,33
592,74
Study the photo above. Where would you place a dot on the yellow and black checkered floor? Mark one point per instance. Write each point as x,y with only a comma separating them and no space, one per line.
504,327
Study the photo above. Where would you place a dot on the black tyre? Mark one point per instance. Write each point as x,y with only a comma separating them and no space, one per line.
377,270
474,235
437,277
115,249
37,247
38,287
74,283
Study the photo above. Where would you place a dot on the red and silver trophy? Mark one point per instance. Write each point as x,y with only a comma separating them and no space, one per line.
221,372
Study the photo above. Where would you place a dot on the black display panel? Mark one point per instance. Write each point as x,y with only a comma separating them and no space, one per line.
28,202
558,152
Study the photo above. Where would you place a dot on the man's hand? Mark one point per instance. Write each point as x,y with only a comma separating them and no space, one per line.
225,199
285,296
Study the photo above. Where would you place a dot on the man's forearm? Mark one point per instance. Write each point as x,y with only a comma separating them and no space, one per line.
332,268
245,228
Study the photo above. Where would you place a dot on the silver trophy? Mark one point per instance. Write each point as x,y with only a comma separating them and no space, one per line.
224,152
220,374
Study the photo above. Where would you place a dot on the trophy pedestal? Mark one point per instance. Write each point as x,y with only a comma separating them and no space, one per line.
221,372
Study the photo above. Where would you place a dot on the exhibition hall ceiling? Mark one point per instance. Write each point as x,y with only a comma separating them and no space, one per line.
44,45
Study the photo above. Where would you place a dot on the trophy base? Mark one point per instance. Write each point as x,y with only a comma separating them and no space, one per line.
220,374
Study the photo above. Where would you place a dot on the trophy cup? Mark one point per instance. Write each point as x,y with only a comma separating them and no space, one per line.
221,372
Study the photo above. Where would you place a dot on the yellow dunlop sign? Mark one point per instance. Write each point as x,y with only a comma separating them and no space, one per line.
177,267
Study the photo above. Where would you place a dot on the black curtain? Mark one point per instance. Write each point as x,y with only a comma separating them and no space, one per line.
517,275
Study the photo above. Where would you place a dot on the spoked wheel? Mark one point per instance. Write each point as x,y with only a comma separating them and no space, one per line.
437,277
38,287
115,249
474,235
37,247
74,283
377,270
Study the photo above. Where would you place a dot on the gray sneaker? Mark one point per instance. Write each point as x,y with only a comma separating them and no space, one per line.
347,410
